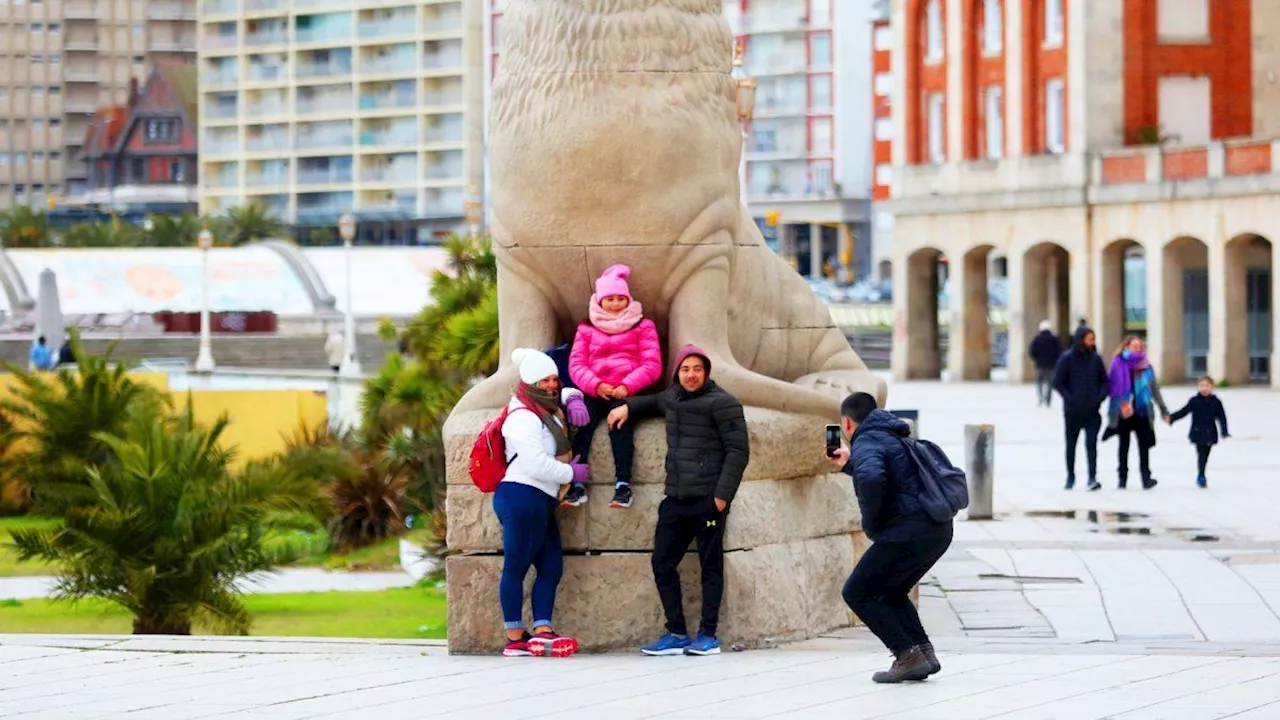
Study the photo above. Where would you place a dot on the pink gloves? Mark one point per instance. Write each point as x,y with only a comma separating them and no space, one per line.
576,408
580,472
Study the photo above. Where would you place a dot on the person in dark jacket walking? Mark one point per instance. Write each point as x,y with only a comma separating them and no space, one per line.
707,452
1081,380
907,542
1207,415
1044,351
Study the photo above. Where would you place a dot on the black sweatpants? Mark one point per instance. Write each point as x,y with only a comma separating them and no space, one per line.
1140,426
879,589
680,522
1202,457
1090,424
622,440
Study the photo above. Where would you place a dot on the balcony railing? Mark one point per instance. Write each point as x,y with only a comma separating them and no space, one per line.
393,137
322,34
217,42
1173,163
222,112
266,73
266,109
270,37
401,204
448,23
390,174
332,176
388,65
431,61
321,210
219,147
324,104
387,101
170,11
276,177
78,75
80,10
393,26
221,7
221,77
172,45
443,136
220,180
442,98
88,44
268,143
312,141
443,172
340,67
260,5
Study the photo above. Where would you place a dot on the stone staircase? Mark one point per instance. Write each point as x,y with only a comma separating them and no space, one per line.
276,352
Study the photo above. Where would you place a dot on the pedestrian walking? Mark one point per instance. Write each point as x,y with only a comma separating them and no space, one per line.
335,349
1081,379
907,541
1207,415
40,357
707,452
1135,396
1044,351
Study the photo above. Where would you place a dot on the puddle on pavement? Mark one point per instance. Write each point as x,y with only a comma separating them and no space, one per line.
1123,523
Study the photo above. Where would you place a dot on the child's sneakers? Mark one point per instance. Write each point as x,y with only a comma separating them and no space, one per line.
576,496
1202,481
549,644
517,648
621,496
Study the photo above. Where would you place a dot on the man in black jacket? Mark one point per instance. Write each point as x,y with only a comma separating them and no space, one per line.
707,453
1044,351
1081,380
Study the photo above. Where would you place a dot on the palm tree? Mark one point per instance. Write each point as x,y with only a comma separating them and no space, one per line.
459,329
22,227
102,235
173,230
247,223
58,421
170,529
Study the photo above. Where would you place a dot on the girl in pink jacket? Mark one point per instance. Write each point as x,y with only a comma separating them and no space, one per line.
615,354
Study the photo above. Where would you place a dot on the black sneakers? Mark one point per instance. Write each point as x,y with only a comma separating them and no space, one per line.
576,496
621,496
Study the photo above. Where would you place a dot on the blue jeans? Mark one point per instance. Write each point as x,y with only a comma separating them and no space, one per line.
530,538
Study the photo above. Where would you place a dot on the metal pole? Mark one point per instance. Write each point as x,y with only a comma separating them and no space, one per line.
979,445
204,360
350,368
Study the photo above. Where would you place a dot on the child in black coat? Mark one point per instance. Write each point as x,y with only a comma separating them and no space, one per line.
1206,414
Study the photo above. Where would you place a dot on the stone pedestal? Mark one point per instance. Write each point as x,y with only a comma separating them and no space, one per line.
792,537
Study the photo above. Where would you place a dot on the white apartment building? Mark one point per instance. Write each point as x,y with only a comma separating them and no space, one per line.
60,61
318,107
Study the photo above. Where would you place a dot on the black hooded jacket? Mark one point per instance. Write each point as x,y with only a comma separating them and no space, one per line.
1081,378
1045,350
887,483
707,447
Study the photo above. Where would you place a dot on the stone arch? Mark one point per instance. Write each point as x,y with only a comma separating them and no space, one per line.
1248,289
1124,292
1184,280
917,341
969,351
1046,289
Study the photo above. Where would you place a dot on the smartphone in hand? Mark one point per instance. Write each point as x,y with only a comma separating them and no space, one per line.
833,440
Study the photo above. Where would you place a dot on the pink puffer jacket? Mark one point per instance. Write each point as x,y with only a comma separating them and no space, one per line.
632,358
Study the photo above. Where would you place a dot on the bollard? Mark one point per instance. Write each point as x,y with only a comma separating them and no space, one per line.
912,417
980,455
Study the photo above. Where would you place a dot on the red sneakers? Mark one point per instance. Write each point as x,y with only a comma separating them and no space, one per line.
549,644
517,648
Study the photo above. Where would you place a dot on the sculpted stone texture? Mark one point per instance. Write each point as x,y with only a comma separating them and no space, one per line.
778,592
614,139
764,512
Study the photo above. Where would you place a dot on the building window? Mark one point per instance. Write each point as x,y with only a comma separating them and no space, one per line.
820,52
820,140
55,58
175,171
1054,142
883,37
821,177
994,118
821,92
884,174
933,31
137,169
884,128
992,27
163,130
884,84
1052,23
937,128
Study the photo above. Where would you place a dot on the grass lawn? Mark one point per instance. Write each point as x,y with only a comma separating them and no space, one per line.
412,613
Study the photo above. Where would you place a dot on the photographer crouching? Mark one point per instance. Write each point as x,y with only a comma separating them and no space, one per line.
908,541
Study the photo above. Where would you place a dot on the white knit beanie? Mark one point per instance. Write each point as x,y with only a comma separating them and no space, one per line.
534,365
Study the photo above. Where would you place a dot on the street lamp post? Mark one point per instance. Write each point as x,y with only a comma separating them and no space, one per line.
472,210
204,360
746,111
351,361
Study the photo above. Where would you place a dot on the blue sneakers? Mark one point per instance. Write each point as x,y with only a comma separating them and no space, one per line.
703,645
668,644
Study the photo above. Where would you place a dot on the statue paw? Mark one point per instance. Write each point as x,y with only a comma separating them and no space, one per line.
842,383
492,393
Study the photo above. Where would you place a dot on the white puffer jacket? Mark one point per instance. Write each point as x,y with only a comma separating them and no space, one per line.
531,449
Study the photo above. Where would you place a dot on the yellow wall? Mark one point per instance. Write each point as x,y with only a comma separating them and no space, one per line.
260,419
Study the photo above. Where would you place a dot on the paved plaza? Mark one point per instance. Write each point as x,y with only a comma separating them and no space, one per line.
1161,604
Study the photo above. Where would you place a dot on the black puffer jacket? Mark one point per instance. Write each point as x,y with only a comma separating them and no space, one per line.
1081,378
707,447
887,483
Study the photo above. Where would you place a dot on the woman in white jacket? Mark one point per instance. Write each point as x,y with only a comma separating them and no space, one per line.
539,464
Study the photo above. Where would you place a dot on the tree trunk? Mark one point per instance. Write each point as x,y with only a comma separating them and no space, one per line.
156,626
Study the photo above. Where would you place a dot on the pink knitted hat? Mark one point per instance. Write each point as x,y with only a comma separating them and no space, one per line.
613,282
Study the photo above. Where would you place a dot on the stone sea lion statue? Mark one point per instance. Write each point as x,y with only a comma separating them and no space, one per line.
614,139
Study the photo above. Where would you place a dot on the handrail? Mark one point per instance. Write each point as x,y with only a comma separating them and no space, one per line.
322,300
14,287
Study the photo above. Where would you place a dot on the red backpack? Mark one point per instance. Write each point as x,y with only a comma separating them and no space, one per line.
489,454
